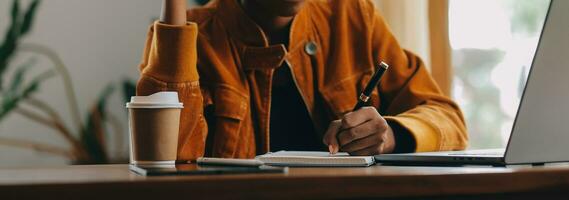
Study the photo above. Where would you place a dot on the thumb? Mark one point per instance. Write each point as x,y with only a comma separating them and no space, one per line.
330,138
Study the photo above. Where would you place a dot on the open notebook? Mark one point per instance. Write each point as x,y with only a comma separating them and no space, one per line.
315,159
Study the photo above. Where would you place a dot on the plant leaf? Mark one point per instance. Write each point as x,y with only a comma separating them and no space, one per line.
6,51
92,136
10,39
35,83
129,89
11,100
102,101
17,28
15,12
8,104
19,76
29,17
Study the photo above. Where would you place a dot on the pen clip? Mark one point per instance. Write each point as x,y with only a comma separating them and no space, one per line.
364,98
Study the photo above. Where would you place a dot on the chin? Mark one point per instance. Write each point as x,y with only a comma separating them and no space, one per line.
283,8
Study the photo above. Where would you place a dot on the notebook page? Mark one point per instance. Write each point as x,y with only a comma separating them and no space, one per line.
311,158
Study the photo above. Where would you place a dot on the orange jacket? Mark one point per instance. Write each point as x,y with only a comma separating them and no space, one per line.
223,73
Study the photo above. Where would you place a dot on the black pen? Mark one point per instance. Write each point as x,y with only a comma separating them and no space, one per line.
372,84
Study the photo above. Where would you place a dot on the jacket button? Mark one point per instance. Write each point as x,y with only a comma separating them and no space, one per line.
310,48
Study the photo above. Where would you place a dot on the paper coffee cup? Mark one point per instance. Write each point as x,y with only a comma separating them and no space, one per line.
154,123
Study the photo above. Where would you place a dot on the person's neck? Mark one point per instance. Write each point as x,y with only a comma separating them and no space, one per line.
276,28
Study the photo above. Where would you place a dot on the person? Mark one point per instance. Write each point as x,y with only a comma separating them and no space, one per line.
266,75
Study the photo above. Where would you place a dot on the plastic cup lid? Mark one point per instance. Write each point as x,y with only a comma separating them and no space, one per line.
156,100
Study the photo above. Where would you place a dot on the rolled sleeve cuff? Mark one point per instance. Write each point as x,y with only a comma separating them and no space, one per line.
173,54
425,135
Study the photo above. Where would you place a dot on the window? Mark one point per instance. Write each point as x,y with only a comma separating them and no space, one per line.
493,43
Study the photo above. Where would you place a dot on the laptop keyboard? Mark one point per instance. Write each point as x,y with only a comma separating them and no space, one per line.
477,154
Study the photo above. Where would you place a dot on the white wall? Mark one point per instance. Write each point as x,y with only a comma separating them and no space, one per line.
100,41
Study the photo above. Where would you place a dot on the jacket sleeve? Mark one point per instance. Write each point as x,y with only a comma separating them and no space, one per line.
411,101
169,64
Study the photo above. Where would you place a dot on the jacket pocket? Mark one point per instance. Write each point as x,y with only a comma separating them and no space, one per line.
343,96
230,109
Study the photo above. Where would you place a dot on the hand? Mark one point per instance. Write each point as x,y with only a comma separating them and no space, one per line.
173,12
362,132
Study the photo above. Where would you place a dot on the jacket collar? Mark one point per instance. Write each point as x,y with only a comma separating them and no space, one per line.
256,48
240,26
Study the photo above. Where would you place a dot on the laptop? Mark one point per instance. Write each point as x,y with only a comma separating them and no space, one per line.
540,132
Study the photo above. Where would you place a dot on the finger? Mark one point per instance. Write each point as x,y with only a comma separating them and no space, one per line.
381,148
383,139
361,131
355,118
370,151
374,140
330,138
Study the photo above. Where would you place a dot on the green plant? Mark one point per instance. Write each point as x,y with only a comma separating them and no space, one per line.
88,138
17,91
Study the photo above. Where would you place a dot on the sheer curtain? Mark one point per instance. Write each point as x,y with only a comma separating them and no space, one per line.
421,26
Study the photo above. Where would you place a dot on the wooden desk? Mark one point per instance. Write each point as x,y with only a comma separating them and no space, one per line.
116,181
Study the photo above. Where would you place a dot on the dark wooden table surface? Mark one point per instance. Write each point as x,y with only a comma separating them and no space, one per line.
117,182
